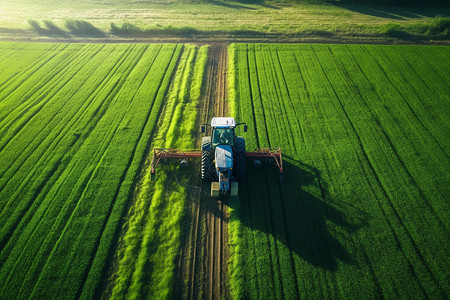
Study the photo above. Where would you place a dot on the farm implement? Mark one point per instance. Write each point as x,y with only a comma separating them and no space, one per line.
223,157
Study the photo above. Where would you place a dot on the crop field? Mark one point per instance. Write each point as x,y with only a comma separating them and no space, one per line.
75,126
363,211
149,246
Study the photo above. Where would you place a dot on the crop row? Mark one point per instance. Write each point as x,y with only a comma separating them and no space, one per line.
150,242
75,121
363,209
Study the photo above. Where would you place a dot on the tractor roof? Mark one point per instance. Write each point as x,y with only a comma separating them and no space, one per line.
223,122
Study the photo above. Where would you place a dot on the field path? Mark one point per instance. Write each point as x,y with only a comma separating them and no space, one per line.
204,255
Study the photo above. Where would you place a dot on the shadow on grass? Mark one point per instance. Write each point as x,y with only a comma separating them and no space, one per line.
242,4
83,28
74,27
49,28
297,212
437,28
231,5
399,13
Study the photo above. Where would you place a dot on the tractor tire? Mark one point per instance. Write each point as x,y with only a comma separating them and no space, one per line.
208,170
240,172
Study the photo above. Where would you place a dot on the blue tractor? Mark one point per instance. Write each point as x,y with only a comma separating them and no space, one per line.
223,156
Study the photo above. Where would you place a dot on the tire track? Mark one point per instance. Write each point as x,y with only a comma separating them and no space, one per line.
251,99
203,262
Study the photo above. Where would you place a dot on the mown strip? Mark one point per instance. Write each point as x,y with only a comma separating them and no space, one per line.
150,242
362,211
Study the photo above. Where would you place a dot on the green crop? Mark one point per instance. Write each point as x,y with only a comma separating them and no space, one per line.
363,209
150,244
75,125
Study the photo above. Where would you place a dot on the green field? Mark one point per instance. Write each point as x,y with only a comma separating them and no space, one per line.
363,211
149,246
271,20
75,126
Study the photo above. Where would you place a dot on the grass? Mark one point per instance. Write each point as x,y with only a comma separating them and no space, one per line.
146,258
438,28
362,210
184,19
75,124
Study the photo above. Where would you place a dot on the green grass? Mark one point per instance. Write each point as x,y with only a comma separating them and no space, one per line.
264,20
438,28
75,125
146,258
363,210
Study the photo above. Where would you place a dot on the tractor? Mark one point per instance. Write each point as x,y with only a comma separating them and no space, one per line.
223,156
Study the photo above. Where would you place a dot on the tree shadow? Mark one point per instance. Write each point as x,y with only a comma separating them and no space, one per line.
396,12
74,27
83,28
297,212
242,4
49,28
231,5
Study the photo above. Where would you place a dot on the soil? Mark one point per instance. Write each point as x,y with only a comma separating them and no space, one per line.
203,261
219,39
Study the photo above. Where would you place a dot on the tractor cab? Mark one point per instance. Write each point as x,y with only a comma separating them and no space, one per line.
223,131
223,136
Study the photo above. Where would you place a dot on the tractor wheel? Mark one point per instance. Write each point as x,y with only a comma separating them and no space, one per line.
208,170
240,159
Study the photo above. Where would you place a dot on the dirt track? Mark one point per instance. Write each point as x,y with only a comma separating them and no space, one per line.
203,263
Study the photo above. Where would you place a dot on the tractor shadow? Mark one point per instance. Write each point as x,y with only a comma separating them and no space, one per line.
297,212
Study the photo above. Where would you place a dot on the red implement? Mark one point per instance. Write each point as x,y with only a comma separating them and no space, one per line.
168,153
164,153
268,153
